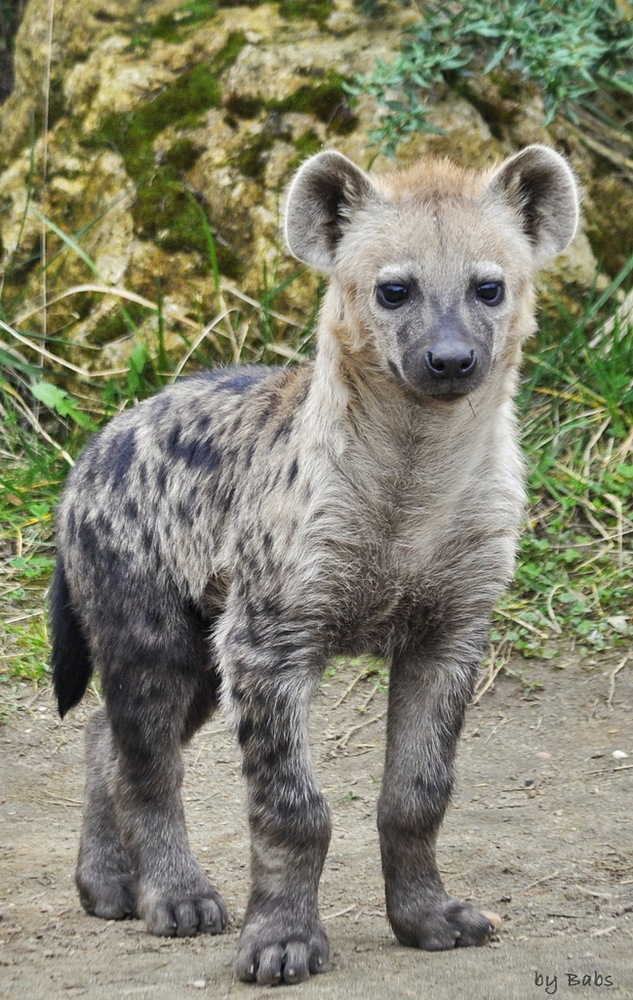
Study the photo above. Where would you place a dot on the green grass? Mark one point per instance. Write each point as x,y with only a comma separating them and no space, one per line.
574,581
573,51
30,479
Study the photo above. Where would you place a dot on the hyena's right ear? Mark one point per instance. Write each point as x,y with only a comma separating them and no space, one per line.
322,199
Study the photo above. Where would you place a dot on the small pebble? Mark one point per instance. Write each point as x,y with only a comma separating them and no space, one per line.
619,755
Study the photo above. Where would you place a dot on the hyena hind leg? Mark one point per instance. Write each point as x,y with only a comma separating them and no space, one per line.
104,876
134,857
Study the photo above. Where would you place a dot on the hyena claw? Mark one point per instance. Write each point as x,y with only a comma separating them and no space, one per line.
187,917
113,898
452,925
285,956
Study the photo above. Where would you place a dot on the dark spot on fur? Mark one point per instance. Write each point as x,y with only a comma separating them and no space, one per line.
120,455
161,478
87,537
267,542
228,500
292,473
248,457
131,509
282,431
238,379
103,524
245,731
275,755
184,514
195,452
173,440
147,539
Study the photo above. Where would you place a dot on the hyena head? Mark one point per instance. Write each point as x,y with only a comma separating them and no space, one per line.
432,266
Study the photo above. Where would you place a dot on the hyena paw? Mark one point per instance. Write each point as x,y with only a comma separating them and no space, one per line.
444,924
184,915
272,952
111,897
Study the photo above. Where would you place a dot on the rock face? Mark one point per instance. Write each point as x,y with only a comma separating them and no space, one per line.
157,138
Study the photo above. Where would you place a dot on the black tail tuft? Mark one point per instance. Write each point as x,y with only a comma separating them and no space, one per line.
71,660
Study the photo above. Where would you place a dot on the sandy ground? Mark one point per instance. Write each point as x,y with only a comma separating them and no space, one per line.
540,831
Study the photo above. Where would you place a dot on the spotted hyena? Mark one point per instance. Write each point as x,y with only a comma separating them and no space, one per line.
224,539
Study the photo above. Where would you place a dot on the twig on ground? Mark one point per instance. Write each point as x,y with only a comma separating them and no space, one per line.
612,676
342,741
350,687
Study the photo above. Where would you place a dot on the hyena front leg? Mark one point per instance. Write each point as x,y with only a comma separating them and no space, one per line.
269,680
429,690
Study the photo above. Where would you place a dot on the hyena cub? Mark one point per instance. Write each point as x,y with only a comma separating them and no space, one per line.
224,539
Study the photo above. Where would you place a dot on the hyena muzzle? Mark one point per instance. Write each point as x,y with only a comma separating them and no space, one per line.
224,539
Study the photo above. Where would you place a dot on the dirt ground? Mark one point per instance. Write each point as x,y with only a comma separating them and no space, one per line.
539,830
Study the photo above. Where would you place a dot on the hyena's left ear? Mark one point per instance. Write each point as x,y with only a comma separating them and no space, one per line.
322,199
540,186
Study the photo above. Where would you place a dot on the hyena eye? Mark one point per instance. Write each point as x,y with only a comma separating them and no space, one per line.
490,292
392,294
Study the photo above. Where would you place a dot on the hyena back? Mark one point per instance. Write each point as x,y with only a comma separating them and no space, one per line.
226,537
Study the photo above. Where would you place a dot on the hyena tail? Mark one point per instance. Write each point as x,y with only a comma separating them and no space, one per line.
71,659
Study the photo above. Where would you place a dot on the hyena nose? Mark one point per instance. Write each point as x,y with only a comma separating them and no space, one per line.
448,361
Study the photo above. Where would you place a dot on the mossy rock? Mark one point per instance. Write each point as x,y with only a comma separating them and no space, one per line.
319,10
182,104
610,221
326,99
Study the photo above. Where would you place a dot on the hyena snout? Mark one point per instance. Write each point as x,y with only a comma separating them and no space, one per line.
446,366
449,360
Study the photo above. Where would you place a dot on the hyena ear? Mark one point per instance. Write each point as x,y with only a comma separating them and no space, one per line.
540,186
322,199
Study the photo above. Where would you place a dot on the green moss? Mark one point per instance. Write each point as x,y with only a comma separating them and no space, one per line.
244,106
610,222
295,9
165,210
116,325
326,99
251,160
169,215
229,51
182,155
306,144
179,104
170,27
